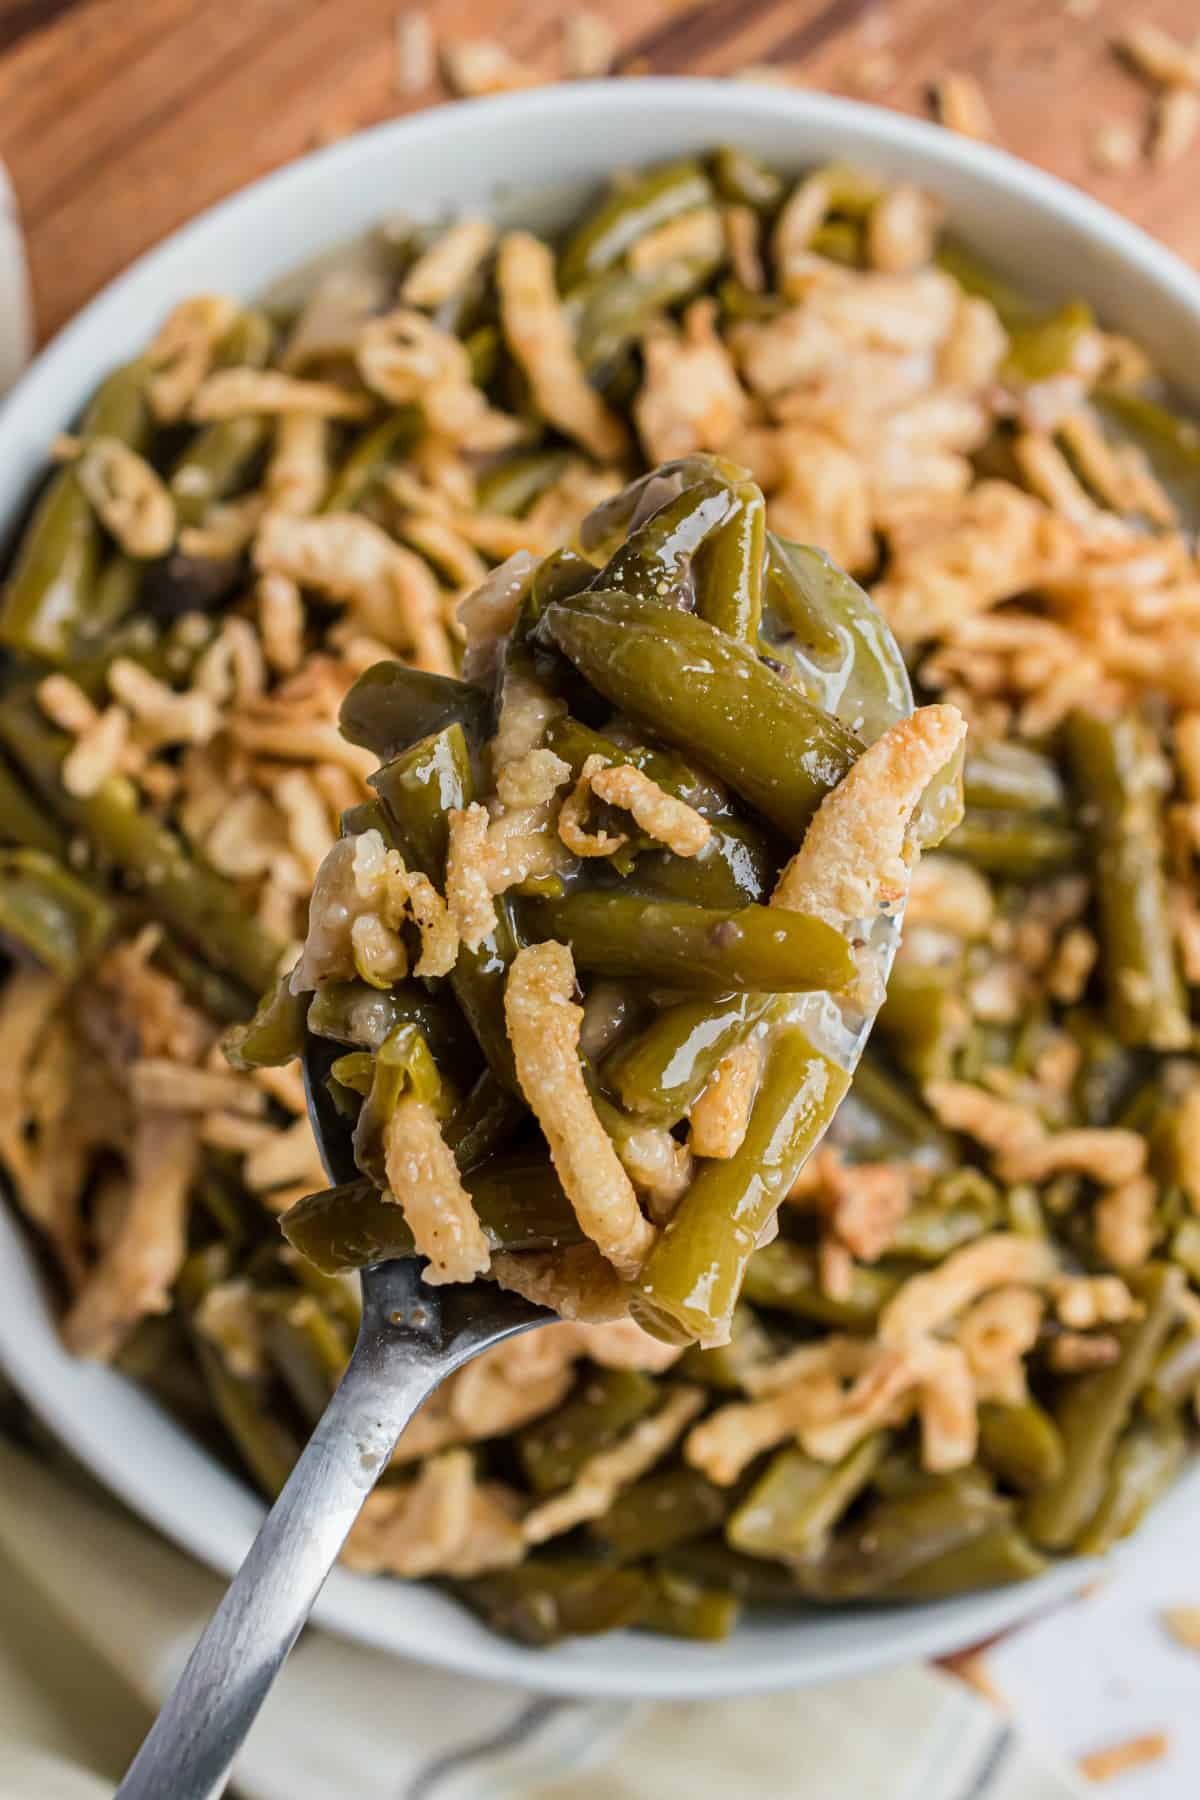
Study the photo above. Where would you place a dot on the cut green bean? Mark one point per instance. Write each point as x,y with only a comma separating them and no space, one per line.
49,913
680,678
192,898
795,1504
681,1608
693,1275
275,1035
996,1558
1116,769
783,1277
543,1601
518,1199
1094,1410
629,213
604,1403
390,708
1144,1464
1021,1445
674,1506
694,947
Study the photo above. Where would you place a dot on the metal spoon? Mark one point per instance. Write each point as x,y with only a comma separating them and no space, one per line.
411,1337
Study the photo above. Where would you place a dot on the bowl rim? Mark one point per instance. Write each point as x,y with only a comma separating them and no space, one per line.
71,1397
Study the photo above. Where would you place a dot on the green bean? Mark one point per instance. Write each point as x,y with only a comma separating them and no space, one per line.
659,1073
1176,1373
836,639
605,1402
1093,1412
1021,1445
935,1227
894,1537
655,561
1047,348
691,1279
1003,777
743,179
694,947
729,568
852,191
575,743
48,593
518,1200
190,897
390,708
1115,767
353,1012
923,1020
1170,443
1017,846
275,1035
1108,1072
783,1277
612,311
484,1121
725,1367
881,1121
306,1346
225,999
157,1355
996,1558
369,458
752,1579
402,1065
45,910
680,1608
221,457
841,241
629,212
511,487
1143,1466
219,461
672,1506
738,303
116,594
679,677
977,277
795,1504
545,1600
419,789
24,822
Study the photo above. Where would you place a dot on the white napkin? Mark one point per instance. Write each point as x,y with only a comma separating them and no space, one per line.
97,1616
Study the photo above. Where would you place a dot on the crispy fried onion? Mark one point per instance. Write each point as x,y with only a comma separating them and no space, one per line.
363,897
577,1283
690,398
232,393
181,355
996,1333
539,335
927,1302
423,1178
129,498
1023,1149
298,472
392,591
604,1475
487,854
544,1025
449,263
443,1523
721,1114
856,858
408,359
139,1264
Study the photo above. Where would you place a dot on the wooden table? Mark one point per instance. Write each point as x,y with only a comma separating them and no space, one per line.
121,118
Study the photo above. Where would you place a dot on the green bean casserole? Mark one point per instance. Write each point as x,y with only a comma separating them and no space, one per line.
491,596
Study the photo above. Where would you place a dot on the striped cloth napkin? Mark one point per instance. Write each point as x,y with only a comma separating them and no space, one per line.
97,1616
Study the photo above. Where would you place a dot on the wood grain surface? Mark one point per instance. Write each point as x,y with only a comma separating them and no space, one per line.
121,118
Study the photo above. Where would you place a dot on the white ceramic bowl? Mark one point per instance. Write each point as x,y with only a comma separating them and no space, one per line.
532,157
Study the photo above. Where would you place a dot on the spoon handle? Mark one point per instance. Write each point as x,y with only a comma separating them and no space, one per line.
190,1748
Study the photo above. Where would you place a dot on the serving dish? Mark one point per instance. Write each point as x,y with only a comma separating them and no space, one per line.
1025,222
